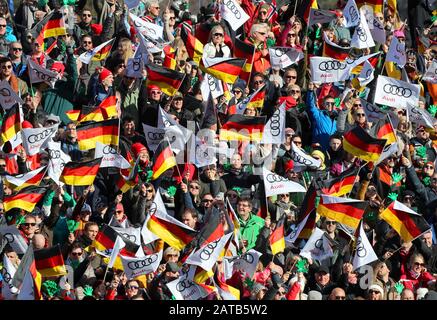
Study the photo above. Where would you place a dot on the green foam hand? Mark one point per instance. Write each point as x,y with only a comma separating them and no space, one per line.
50,287
318,33
426,181
88,291
433,18
237,190
149,175
227,166
421,152
69,2
249,283
337,102
399,287
385,108
316,201
396,177
20,220
72,225
393,196
432,109
171,191
301,266
42,3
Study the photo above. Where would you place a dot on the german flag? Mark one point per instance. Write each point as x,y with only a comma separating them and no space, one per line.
50,262
304,9
407,223
384,130
344,210
386,178
37,280
73,115
163,159
124,184
309,226
377,5
174,235
276,239
168,80
51,26
257,100
341,185
226,291
246,51
169,57
244,128
104,52
359,143
109,107
25,199
90,114
226,70
105,132
308,203
31,178
80,173
11,124
193,45
333,50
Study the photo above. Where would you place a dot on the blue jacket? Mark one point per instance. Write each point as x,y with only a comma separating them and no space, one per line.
322,124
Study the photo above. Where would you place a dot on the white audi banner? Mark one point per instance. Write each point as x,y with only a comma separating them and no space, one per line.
373,113
110,157
396,93
35,139
366,75
351,14
185,289
274,130
431,73
420,116
364,253
87,56
130,233
275,184
134,267
327,70
13,237
57,161
362,37
376,28
153,136
8,97
282,57
396,53
300,158
39,74
246,262
213,85
320,16
233,13
152,30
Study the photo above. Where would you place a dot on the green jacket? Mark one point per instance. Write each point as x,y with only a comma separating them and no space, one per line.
249,230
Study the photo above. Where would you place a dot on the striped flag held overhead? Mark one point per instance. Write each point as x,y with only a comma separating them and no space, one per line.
383,129
340,185
344,210
11,124
105,132
193,45
163,159
246,51
359,143
242,127
51,26
25,199
168,80
333,50
376,5
224,69
305,9
31,178
50,262
276,239
80,173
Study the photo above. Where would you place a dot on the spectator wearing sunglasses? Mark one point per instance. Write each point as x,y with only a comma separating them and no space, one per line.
416,275
7,74
216,46
28,228
258,38
19,64
6,37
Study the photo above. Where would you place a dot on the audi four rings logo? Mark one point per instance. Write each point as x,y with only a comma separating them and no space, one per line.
275,125
275,178
368,73
184,284
353,14
331,65
279,52
212,83
377,25
39,136
152,209
5,92
54,154
361,34
361,251
371,108
6,276
109,150
136,64
397,91
128,236
248,257
138,24
301,160
43,76
206,253
134,265
155,135
9,237
231,6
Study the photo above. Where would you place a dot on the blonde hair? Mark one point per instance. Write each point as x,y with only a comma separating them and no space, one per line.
126,44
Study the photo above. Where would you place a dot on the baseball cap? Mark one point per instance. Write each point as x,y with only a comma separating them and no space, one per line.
52,117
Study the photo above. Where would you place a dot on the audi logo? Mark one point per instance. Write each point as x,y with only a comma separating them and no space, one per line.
319,244
128,236
44,76
368,73
279,52
134,265
371,108
353,13
331,65
361,251
5,92
275,178
136,64
211,83
40,136
152,209
6,276
361,34
109,150
397,91
298,158
9,237
184,284
400,48
155,135
248,257
138,24
231,6
377,25
54,154
206,253
275,125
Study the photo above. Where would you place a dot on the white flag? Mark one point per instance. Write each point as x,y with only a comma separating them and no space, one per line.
431,73
213,85
176,134
364,253
131,4
153,136
366,75
141,55
246,262
202,153
130,233
373,113
318,246
8,271
152,30
362,37
8,97
242,105
14,238
275,184
292,237
282,57
351,14
207,256
327,70
396,52
88,55
19,179
134,267
27,288
387,152
320,16
396,93
39,74
58,159
118,245
420,116
274,130
303,159
134,68
35,139
233,13
146,234
376,29
185,289
110,157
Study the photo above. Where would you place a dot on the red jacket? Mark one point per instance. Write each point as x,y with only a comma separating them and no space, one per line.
414,282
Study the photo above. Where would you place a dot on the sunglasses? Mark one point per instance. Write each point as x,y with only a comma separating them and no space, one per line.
122,65
297,142
357,104
408,198
87,42
329,103
360,114
262,33
172,18
76,254
86,15
258,82
340,298
294,91
149,190
17,49
285,195
281,293
237,91
218,34
133,287
374,291
32,224
195,187
291,35
263,12
172,255
2,25
7,67
429,167
232,195
419,264
331,222
291,77
155,92
207,200
119,211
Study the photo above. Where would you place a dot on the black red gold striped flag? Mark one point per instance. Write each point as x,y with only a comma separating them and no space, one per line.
124,184
163,159
303,10
376,5
224,69
340,185
386,178
169,57
80,173
25,199
383,129
166,79
37,280
276,239
308,203
407,223
50,262
344,210
359,143
309,226
105,132
11,124
226,291
193,45
242,127
31,178
333,50
52,25
245,51
109,107
73,114
104,52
